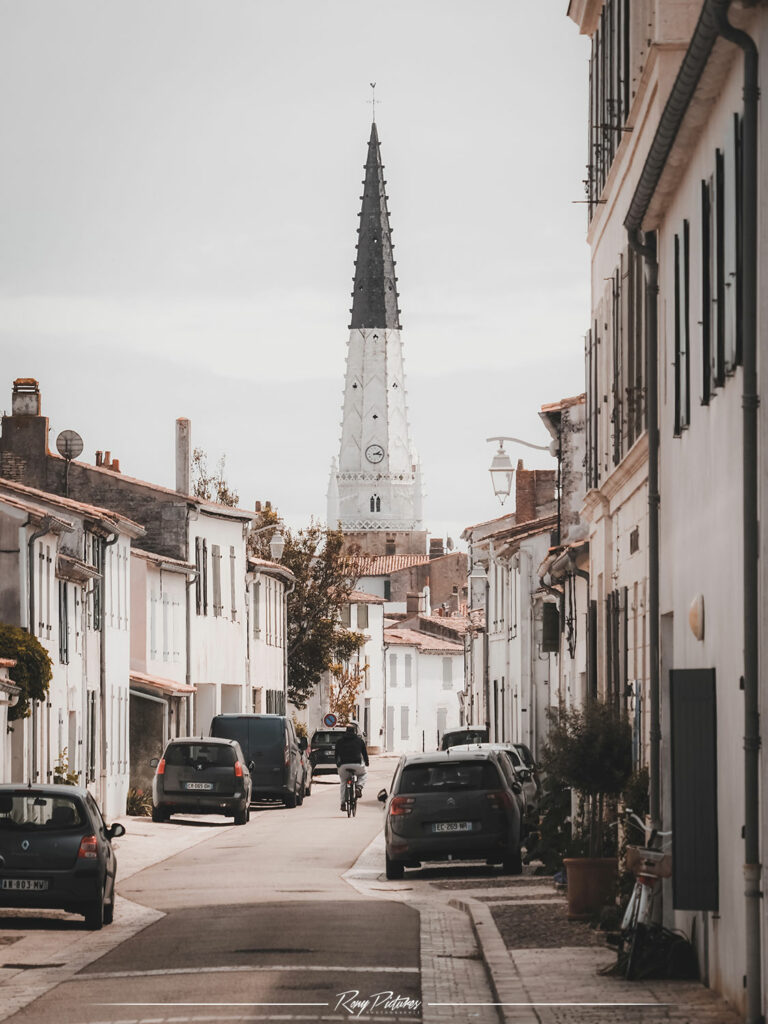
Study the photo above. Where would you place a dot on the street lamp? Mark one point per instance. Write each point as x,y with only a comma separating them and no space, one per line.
501,468
276,541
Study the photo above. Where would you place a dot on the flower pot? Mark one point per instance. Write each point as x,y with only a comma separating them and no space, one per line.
591,884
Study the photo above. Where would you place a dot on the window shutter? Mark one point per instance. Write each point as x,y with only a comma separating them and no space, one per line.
393,670
447,674
216,569
233,581
550,628
408,669
362,616
345,615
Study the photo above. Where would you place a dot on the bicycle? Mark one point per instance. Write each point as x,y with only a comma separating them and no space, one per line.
350,796
649,864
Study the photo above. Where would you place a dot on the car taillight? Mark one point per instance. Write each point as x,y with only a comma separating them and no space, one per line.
238,770
89,848
401,805
499,798
287,754
161,766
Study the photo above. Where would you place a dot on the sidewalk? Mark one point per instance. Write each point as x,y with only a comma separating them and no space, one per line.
540,981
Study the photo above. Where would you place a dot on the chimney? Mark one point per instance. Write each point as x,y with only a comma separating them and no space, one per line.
25,400
257,507
107,460
412,604
436,549
99,458
525,494
183,455
115,467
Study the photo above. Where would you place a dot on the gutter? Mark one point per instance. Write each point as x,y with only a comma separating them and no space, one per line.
103,746
713,22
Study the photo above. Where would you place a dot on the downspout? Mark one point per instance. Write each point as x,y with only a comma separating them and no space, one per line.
647,250
286,594
750,403
103,676
188,652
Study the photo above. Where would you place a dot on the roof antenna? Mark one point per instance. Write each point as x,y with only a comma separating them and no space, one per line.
372,101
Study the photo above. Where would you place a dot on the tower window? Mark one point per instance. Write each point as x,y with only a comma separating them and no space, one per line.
375,503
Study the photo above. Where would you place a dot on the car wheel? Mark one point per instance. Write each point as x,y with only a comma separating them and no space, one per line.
290,799
94,912
393,869
513,863
308,789
241,817
109,911
159,815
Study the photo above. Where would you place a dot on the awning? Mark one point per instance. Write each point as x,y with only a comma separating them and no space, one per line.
166,687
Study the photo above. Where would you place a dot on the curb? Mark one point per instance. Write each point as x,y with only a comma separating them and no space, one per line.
512,999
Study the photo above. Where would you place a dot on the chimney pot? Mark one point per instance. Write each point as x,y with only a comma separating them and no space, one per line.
115,467
99,458
257,507
107,459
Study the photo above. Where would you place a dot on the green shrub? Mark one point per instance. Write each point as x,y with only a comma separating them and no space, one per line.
33,668
139,803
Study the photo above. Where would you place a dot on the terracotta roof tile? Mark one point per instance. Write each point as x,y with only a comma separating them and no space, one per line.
360,597
383,565
151,556
75,506
426,642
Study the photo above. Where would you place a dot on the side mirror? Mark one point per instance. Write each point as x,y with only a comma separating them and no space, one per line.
524,774
115,830
381,796
251,765
154,762
303,743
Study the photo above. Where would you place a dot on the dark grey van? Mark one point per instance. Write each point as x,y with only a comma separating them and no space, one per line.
271,749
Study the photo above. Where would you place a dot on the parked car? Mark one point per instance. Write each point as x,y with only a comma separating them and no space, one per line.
323,745
470,734
272,751
56,852
529,782
201,776
449,806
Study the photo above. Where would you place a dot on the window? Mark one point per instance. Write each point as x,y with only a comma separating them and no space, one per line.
706,292
63,622
393,670
345,615
153,624
389,546
166,638
375,503
216,569
201,579
408,670
387,590
447,673
682,332
233,582
404,714
176,630
362,616
718,224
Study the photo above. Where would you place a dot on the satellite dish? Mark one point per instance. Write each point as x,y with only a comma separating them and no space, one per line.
449,543
69,444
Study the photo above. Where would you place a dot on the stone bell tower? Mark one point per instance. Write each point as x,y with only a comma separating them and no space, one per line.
375,490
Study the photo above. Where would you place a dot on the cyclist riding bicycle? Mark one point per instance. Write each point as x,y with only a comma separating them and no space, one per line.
351,761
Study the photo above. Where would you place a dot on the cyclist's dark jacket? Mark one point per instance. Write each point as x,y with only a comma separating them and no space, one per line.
351,749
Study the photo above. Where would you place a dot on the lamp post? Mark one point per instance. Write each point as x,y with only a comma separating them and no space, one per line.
501,469
276,541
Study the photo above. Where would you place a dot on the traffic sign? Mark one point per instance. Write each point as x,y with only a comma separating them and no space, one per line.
330,720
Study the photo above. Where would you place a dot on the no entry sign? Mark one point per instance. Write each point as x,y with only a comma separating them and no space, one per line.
329,720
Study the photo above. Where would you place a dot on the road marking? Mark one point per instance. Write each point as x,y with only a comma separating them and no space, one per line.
235,969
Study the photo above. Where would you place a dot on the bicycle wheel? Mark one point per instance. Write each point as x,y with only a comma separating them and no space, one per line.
350,798
634,953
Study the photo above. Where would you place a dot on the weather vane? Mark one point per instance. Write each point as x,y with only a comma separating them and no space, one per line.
372,101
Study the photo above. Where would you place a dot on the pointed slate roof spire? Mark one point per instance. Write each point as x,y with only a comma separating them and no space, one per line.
375,299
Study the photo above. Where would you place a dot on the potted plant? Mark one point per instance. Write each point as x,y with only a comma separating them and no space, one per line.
590,750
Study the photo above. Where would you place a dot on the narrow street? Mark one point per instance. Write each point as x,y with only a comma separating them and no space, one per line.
257,924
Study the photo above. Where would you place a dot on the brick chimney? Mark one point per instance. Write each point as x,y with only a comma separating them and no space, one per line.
534,493
436,548
24,440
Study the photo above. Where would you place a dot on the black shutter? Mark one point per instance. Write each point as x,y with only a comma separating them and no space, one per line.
550,631
694,789
199,575
706,296
205,577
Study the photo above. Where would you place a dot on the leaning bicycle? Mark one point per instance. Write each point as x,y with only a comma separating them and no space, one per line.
649,864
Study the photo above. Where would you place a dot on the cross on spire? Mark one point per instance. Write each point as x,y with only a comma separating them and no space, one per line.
372,101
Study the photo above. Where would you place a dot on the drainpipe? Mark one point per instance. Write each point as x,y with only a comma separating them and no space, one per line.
188,649
103,677
286,594
45,526
647,249
750,402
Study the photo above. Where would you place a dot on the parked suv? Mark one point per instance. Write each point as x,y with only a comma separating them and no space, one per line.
201,776
452,806
322,750
272,751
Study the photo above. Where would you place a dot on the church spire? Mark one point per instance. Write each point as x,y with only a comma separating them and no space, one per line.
375,300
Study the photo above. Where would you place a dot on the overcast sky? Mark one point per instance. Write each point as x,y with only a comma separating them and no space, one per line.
179,191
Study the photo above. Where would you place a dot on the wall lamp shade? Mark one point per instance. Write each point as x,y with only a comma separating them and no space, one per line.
276,546
502,473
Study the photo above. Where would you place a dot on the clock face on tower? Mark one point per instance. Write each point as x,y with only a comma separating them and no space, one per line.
374,453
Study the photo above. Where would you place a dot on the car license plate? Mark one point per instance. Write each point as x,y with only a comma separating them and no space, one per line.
198,785
25,884
452,826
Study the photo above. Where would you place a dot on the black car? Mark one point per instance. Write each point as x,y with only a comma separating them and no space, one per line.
272,751
446,806
322,750
201,776
458,737
56,852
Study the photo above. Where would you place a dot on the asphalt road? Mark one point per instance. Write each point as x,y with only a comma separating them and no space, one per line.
258,925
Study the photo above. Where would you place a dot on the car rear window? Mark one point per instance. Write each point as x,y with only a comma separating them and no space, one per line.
266,732
455,739
326,737
215,755
30,811
231,729
445,775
